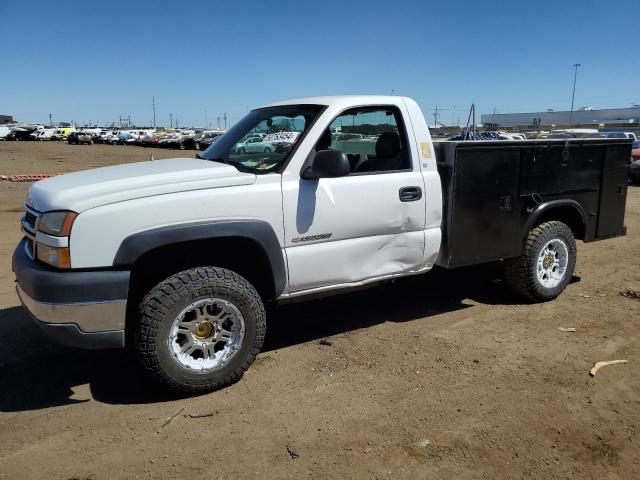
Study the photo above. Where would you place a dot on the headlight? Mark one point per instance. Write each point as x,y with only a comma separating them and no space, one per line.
57,223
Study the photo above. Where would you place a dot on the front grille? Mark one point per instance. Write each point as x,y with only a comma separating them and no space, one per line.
29,223
30,220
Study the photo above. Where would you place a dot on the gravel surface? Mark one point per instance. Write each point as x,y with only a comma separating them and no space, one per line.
447,375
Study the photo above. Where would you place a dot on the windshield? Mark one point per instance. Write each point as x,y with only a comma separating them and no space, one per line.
264,139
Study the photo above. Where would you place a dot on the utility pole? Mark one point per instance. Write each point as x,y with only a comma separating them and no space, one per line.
129,120
176,122
171,120
224,115
573,95
50,120
435,117
218,122
153,101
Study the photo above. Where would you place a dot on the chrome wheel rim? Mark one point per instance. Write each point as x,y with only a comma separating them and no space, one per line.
552,263
206,335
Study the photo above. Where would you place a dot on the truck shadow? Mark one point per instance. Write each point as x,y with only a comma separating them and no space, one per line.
36,373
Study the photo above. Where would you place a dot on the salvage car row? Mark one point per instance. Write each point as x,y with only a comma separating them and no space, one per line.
182,139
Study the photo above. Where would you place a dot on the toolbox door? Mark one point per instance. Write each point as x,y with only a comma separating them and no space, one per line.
613,191
485,215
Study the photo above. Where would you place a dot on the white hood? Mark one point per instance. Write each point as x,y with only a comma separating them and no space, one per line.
92,188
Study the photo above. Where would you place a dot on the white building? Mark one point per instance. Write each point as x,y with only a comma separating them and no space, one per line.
609,117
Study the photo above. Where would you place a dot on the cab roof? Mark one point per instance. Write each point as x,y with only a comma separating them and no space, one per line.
343,100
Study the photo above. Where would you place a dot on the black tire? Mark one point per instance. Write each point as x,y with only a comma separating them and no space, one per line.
162,304
521,272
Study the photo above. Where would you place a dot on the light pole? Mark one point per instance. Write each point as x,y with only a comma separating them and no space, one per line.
573,95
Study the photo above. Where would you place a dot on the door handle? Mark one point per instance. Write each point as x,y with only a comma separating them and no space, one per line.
410,194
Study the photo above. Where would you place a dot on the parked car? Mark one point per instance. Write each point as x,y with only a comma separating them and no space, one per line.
512,136
46,134
4,132
35,135
187,142
109,137
20,133
62,133
207,139
122,138
254,145
78,138
575,133
618,135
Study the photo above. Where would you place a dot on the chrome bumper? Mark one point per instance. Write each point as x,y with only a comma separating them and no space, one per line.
85,309
81,324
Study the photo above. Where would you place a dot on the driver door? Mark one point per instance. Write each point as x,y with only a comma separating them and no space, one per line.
348,230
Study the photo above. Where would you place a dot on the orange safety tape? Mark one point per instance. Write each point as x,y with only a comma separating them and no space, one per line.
28,178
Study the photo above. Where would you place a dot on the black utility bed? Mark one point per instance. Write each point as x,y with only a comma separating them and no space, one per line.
495,191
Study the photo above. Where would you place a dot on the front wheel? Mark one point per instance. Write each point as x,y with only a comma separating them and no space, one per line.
545,267
200,329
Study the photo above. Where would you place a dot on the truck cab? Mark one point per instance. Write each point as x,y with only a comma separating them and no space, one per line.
178,258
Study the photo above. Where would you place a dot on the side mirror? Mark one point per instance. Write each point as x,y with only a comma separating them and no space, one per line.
326,164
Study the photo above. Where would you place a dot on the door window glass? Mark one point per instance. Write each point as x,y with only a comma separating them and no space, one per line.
372,138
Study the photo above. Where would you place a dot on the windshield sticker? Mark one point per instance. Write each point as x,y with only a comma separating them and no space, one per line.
284,137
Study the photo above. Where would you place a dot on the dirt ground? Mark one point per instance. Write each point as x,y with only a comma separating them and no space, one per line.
447,375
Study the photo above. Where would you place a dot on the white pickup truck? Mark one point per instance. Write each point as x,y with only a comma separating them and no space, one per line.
177,258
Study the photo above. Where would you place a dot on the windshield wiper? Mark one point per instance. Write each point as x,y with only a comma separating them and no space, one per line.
237,165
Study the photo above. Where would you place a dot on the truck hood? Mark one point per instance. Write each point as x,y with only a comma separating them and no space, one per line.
81,191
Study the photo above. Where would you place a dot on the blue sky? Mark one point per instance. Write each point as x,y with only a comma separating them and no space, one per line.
98,60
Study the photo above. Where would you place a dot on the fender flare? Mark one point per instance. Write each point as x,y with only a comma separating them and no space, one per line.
545,207
261,232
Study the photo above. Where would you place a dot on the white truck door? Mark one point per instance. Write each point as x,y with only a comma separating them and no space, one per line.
367,225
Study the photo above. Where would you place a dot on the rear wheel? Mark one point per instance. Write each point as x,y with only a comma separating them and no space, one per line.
545,267
200,329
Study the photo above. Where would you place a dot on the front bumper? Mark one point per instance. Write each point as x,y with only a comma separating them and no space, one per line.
85,309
